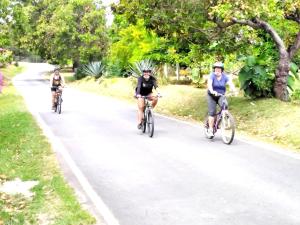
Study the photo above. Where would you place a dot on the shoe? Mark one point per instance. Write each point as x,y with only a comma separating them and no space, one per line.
139,126
210,133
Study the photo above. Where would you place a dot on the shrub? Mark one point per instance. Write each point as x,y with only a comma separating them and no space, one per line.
294,82
256,78
94,69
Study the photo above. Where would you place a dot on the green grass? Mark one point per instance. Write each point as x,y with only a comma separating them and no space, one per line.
26,154
268,120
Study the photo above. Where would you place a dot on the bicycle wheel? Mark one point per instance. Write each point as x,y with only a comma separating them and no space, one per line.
227,128
59,100
150,124
206,129
144,122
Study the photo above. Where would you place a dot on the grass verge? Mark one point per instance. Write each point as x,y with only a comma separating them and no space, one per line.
267,120
26,154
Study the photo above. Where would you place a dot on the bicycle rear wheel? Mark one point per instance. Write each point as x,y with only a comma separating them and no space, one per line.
227,128
150,124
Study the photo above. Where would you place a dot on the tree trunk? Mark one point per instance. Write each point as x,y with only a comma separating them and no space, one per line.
177,71
281,75
166,70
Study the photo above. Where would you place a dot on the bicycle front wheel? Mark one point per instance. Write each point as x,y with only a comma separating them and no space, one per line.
150,124
227,128
59,101
205,129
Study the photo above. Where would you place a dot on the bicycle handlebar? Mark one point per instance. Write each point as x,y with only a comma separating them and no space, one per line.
145,97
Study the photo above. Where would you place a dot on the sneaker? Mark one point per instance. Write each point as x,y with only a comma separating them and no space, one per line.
210,133
139,126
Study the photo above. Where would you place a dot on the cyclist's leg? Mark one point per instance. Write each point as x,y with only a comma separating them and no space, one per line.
153,99
212,105
53,97
141,107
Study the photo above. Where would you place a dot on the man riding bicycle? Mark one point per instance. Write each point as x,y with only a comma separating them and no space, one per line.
216,90
145,85
57,82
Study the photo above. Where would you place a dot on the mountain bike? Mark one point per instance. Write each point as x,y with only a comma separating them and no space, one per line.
148,121
223,121
58,100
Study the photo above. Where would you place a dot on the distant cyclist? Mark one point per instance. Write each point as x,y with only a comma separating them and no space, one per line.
56,81
145,85
216,90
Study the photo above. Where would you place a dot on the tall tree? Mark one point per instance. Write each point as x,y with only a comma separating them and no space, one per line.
70,30
273,17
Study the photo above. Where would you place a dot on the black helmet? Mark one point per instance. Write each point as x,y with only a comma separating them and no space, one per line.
218,65
146,70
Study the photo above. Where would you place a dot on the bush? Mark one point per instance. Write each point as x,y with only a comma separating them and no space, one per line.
93,69
6,57
294,82
256,78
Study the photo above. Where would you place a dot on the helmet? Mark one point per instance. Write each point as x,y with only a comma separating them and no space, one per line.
146,70
56,69
218,65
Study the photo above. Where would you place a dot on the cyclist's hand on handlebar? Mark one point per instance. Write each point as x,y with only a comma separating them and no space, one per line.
215,93
159,95
138,96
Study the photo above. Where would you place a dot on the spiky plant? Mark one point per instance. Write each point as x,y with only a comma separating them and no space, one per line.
138,67
94,69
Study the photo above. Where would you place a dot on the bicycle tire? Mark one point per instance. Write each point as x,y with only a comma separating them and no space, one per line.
150,123
205,129
227,125
144,121
59,105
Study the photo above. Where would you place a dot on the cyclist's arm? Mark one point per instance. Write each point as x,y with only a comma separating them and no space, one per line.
232,86
63,83
210,87
51,80
139,85
156,87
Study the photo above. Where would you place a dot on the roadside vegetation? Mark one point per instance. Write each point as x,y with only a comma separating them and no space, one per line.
26,156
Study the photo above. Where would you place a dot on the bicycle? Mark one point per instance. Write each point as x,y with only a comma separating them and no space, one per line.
58,100
224,121
148,121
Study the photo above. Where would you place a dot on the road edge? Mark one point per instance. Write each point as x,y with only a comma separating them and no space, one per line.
104,214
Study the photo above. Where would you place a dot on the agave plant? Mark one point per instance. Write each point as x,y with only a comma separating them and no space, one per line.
94,69
138,67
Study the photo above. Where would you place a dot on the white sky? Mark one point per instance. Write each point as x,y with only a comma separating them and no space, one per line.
109,16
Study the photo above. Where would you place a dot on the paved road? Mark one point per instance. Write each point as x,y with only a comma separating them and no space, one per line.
176,178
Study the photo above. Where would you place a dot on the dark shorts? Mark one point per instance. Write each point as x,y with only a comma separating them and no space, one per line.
213,101
54,88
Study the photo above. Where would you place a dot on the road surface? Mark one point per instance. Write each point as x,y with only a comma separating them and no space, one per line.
178,177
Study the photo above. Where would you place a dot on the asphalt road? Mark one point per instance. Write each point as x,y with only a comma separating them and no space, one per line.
178,177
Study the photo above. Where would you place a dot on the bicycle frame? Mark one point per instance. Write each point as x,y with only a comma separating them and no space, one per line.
218,117
148,121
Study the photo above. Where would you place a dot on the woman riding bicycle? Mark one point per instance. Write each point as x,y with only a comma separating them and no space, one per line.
145,85
56,82
216,90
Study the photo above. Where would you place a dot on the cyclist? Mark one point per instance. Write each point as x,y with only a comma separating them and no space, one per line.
216,89
145,85
56,82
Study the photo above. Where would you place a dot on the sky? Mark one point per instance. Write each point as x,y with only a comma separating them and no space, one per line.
109,15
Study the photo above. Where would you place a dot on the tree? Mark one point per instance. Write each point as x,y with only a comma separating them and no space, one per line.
267,17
